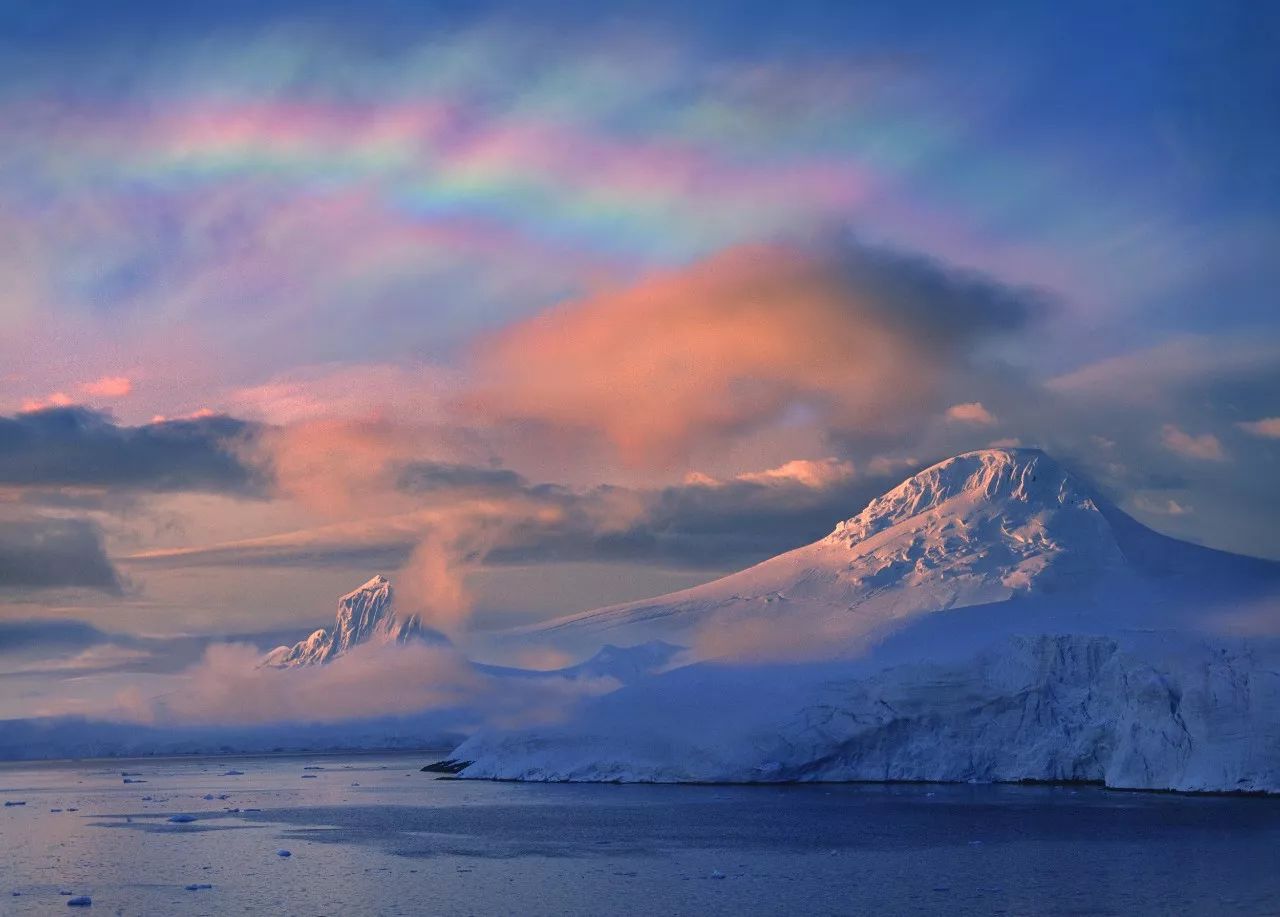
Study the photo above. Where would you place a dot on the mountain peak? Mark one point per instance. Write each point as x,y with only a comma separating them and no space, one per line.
365,615
377,583
973,480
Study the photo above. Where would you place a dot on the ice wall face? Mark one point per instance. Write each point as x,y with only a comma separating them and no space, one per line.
365,615
1045,707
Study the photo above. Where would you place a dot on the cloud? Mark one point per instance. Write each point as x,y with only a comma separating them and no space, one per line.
108,387
1164,373
48,553
1163,506
469,516
55,634
1267,427
1206,447
863,338
52,400
229,686
971,412
811,473
77,447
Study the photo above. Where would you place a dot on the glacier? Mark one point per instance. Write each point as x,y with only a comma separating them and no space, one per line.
993,618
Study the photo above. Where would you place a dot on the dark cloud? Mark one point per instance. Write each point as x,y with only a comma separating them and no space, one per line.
418,477
56,634
47,553
78,447
707,524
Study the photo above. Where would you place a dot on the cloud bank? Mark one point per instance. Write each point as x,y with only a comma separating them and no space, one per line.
864,339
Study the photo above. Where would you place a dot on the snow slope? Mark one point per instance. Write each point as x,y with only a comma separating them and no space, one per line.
365,615
623,664
992,618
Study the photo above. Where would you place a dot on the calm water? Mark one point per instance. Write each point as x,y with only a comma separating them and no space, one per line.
373,835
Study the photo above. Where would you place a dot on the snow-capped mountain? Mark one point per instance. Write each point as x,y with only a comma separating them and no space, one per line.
991,618
978,528
365,615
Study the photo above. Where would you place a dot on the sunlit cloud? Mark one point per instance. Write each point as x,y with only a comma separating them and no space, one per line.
862,338
108,387
1267,427
1203,447
971,412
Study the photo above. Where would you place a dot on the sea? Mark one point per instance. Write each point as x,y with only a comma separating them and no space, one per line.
374,834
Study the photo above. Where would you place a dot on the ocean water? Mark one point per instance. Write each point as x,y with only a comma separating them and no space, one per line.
374,835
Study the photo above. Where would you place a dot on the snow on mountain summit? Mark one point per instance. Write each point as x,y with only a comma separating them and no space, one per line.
1012,516
365,615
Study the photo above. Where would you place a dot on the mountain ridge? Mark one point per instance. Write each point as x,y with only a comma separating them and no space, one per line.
365,615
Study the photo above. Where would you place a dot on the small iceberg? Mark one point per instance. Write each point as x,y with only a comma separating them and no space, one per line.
80,901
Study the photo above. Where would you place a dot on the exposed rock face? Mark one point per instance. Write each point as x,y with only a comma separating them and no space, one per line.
365,615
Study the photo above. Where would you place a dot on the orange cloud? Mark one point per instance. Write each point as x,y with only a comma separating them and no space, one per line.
108,387
1267,427
815,473
738,342
56,400
971,412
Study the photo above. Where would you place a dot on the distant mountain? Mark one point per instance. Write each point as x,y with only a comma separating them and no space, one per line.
993,618
365,615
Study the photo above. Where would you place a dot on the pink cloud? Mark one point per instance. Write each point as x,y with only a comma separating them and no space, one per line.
1267,427
54,400
815,473
689,359
1205,447
108,387
971,412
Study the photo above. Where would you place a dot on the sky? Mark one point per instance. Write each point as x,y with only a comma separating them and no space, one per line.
543,306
